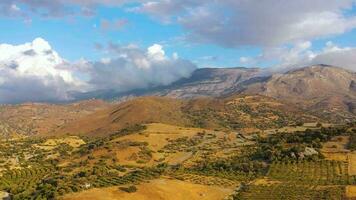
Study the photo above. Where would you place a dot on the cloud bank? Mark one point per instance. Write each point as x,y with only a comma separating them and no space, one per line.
134,68
228,23
233,23
35,72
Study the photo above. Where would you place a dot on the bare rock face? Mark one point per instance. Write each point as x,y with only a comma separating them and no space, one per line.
211,82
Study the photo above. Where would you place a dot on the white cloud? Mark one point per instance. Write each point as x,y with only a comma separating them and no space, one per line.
233,23
228,23
55,8
35,72
133,68
156,52
338,56
15,8
301,54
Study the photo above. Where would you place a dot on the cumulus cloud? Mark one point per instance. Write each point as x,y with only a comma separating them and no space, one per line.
134,68
35,72
32,72
233,23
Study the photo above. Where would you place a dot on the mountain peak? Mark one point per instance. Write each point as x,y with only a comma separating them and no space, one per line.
317,68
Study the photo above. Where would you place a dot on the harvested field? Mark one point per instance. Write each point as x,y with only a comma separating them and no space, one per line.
159,189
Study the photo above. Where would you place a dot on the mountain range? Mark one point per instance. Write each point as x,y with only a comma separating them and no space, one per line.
214,98
324,90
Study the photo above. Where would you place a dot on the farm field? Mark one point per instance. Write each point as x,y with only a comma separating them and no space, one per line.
304,180
199,163
160,189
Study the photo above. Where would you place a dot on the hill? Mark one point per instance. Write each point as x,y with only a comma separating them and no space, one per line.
235,112
135,111
41,118
327,91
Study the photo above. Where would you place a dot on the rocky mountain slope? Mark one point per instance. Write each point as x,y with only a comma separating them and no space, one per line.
212,82
325,90
328,91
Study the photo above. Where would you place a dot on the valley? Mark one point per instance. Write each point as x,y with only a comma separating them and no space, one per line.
177,100
252,144
214,164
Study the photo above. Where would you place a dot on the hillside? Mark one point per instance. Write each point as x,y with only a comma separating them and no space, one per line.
136,111
235,112
325,90
211,82
328,91
41,118
203,82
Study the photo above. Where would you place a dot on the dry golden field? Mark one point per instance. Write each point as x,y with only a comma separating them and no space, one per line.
159,189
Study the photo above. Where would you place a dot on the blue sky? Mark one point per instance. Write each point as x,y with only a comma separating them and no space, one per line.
75,37
159,41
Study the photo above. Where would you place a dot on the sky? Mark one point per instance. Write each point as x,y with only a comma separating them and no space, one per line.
53,49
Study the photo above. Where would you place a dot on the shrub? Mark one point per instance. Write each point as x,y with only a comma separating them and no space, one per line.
130,189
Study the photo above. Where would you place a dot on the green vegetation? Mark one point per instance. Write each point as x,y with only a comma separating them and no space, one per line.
239,113
285,146
129,130
290,163
129,189
352,142
301,180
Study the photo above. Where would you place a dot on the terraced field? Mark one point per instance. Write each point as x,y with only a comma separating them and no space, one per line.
205,180
303,180
23,183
